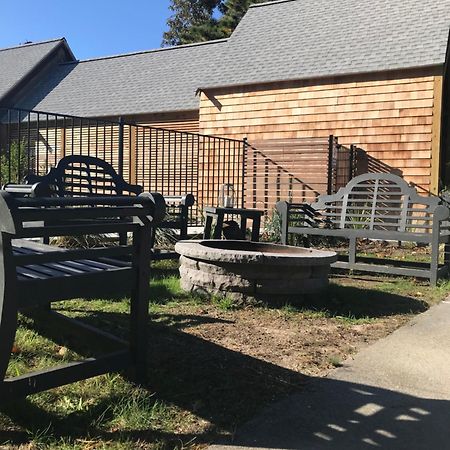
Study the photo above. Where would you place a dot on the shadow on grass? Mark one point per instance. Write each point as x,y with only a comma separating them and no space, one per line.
337,300
161,293
356,302
228,388
221,386
224,387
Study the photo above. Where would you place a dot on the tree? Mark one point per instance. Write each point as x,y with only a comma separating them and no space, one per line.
233,11
204,20
191,21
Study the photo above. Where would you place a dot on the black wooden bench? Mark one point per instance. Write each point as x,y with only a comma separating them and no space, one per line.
375,206
77,175
84,176
33,275
177,218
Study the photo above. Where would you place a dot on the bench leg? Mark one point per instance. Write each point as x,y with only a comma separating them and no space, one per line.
208,226
139,305
123,238
153,237
8,326
306,241
217,234
282,210
243,227
255,228
184,218
434,266
352,251
8,309
447,257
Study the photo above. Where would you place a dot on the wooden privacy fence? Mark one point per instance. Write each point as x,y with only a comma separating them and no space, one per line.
297,170
176,162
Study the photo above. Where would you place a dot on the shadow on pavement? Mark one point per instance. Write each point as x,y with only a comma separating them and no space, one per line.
333,414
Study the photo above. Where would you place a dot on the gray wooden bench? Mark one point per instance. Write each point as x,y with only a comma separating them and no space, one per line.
33,275
77,175
374,206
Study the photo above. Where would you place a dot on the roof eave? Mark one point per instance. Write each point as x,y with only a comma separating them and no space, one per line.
140,113
320,77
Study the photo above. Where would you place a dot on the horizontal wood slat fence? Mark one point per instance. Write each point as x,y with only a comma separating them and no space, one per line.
177,162
297,170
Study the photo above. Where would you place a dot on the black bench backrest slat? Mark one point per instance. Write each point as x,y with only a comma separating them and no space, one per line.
93,171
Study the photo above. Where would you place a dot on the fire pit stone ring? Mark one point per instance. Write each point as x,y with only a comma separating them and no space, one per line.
246,270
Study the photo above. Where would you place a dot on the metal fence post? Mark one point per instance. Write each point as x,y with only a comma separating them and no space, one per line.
120,164
244,164
352,162
331,142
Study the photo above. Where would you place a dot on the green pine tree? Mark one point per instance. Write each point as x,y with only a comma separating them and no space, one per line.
233,11
191,21
204,20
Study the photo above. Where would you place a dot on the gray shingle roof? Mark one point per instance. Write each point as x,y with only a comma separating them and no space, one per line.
154,81
277,41
17,62
295,39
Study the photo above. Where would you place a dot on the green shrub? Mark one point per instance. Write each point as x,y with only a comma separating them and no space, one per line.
272,227
13,163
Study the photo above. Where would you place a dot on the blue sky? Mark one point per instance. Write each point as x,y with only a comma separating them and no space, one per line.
92,27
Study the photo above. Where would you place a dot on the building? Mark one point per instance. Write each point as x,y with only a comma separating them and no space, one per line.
368,71
372,72
157,87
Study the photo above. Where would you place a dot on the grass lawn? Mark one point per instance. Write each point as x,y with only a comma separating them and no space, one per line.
212,365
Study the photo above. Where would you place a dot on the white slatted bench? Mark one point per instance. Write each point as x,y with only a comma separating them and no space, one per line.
374,206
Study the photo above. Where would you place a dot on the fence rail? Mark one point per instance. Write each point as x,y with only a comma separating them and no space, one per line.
176,162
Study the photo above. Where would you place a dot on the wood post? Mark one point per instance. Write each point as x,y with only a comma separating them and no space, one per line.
63,142
133,154
436,135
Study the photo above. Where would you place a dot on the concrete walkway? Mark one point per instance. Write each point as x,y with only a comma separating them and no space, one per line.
393,395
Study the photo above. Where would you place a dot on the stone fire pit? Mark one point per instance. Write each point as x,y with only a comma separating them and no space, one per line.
252,270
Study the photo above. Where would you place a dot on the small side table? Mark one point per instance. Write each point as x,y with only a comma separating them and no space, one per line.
218,213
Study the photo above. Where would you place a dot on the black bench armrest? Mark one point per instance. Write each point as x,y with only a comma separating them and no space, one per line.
37,189
182,200
300,214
